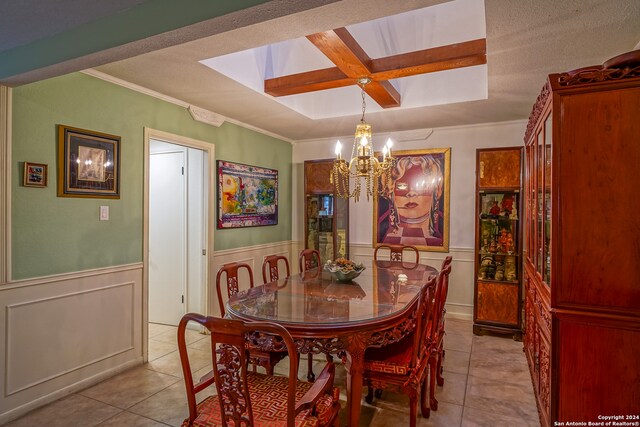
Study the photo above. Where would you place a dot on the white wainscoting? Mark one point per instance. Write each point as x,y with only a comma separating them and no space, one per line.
66,332
252,255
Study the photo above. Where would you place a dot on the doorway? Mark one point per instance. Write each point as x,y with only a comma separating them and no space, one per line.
178,221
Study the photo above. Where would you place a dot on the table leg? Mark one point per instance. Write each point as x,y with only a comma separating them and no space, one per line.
355,346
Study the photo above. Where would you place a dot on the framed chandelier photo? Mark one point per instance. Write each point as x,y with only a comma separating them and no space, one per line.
363,167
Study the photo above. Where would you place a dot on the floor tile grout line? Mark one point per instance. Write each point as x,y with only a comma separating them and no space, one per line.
466,382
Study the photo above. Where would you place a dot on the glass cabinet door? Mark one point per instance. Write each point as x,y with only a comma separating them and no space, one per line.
341,214
540,202
327,216
498,234
320,227
529,202
548,138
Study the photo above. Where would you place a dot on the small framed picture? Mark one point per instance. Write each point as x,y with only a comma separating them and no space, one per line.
88,163
34,175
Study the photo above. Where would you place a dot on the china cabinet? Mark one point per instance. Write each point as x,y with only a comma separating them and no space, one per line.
498,255
582,251
326,225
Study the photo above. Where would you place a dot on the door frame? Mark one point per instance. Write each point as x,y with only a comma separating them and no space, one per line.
209,151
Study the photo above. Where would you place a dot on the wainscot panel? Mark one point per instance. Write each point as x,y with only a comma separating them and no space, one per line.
67,332
252,255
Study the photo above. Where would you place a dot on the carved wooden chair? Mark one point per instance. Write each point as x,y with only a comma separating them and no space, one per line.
266,359
402,366
250,398
445,262
309,259
396,252
270,268
436,340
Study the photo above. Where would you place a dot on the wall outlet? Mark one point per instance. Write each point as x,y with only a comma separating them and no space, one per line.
104,213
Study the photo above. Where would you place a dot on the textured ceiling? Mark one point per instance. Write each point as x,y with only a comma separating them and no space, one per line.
526,40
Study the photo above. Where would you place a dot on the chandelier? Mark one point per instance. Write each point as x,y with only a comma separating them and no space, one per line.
363,164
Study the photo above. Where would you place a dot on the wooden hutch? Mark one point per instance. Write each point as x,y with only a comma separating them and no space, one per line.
498,250
582,249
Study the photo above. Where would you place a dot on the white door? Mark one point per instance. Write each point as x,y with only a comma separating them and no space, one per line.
167,237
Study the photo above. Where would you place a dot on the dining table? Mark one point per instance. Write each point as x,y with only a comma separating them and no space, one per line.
326,316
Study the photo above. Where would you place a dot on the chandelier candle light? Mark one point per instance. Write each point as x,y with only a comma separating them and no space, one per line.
363,164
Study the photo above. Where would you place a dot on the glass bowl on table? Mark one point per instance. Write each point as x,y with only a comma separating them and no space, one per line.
344,270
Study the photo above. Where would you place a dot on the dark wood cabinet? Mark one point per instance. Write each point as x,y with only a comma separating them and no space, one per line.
326,226
582,249
498,259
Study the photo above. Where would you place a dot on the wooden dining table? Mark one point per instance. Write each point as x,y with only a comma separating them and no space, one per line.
326,316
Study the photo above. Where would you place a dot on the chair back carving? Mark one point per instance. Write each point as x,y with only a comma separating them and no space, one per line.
446,262
425,319
442,289
396,252
229,354
270,268
233,287
306,259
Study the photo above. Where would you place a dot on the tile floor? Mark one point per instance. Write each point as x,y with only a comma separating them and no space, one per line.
486,384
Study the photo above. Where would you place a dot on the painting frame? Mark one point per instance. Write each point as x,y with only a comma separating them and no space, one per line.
425,223
247,195
88,163
35,175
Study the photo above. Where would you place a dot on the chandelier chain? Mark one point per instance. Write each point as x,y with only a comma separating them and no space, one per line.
364,104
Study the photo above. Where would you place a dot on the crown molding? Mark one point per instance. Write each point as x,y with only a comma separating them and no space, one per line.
197,113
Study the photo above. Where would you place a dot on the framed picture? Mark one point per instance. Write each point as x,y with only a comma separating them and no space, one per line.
88,163
247,195
34,175
412,206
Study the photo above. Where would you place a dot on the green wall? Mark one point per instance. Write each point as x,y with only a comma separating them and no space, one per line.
53,234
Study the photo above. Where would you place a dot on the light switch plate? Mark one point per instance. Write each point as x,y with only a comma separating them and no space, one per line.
104,213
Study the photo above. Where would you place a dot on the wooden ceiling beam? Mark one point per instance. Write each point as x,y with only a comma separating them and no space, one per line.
383,93
353,63
440,58
311,81
343,50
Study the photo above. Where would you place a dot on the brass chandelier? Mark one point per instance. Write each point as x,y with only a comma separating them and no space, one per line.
363,164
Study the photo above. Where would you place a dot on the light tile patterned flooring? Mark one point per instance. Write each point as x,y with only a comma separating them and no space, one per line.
486,384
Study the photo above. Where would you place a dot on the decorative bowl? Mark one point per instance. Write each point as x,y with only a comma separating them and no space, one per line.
343,269
345,277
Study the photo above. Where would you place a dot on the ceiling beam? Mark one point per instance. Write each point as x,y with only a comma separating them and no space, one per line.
343,50
353,63
383,93
424,61
311,81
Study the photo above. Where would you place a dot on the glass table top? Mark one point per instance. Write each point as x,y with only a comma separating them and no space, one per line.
317,298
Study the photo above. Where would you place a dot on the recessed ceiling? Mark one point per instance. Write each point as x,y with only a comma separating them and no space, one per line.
439,25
